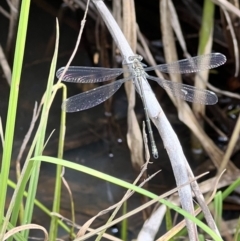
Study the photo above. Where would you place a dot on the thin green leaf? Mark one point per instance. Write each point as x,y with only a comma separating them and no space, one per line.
218,207
58,184
12,106
124,223
41,137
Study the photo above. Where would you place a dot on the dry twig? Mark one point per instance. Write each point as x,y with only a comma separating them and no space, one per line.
5,66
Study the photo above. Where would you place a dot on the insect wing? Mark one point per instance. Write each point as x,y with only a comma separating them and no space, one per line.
187,92
79,74
191,65
91,98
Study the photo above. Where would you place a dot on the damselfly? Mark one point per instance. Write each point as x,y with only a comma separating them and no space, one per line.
136,71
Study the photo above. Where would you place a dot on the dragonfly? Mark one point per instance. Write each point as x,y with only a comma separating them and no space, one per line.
136,71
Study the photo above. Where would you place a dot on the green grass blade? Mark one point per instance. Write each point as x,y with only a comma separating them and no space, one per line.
17,199
58,184
40,143
201,237
206,32
218,208
168,217
231,188
169,222
12,106
236,235
124,223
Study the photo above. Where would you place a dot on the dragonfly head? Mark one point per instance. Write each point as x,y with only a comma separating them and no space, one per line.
130,59
135,57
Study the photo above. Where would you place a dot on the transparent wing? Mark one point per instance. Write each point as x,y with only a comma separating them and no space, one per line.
92,97
79,74
191,65
187,92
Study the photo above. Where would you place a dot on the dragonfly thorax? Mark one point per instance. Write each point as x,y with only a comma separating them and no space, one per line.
137,69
